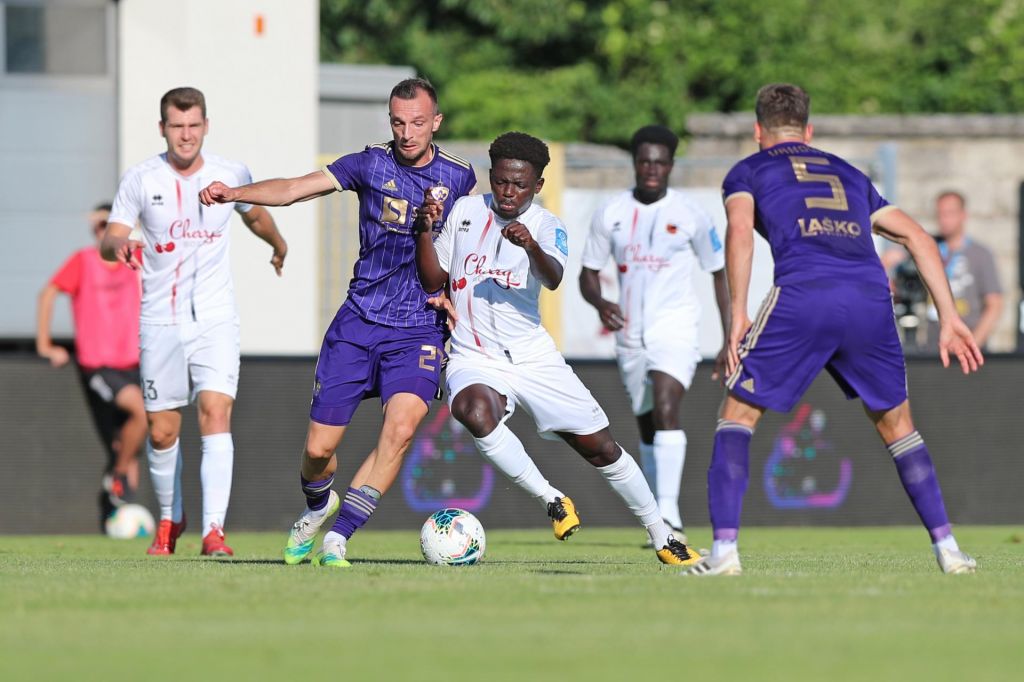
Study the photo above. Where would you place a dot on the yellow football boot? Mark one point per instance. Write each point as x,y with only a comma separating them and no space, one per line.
676,553
564,519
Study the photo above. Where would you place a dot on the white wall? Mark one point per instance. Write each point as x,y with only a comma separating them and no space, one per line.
261,96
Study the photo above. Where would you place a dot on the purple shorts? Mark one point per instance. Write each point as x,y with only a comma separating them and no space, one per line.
847,329
360,359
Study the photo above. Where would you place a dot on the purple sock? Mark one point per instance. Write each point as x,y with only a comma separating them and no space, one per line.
317,492
355,510
727,478
917,473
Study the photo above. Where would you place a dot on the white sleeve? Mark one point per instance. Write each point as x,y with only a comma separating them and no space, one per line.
706,242
598,247
244,178
553,239
443,241
129,200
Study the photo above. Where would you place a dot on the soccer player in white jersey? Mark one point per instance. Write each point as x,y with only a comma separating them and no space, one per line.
189,322
495,252
656,236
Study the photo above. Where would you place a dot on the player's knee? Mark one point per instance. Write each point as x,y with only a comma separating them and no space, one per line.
318,451
666,416
603,452
162,436
477,415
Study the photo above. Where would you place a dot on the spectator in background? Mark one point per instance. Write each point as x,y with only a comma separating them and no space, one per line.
970,268
105,299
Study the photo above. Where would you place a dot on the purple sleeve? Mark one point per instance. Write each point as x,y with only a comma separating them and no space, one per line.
469,183
737,182
876,201
347,172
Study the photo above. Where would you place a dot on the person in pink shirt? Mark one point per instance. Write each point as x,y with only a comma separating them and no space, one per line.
105,300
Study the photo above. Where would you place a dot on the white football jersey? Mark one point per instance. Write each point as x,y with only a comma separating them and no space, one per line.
655,247
494,293
186,269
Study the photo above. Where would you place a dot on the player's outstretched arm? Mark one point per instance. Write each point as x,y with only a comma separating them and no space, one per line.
117,245
609,311
57,355
725,316
276,192
955,338
542,265
739,259
261,223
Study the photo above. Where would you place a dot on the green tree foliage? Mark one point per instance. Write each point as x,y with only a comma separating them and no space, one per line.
596,69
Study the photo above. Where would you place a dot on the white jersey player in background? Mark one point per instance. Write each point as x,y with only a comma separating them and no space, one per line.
494,254
189,322
656,236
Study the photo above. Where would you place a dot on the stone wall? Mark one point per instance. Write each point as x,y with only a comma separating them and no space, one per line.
979,156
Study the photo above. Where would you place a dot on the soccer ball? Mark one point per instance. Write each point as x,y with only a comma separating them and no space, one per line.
129,521
452,537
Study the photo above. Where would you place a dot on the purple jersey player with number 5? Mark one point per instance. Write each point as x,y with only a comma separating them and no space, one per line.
829,309
387,339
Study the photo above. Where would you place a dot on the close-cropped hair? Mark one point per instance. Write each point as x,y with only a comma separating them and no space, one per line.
521,147
782,105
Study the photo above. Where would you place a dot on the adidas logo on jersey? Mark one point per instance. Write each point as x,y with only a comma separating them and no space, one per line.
390,186
748,385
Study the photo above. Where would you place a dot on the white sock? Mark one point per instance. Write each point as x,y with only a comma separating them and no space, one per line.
947,543
721,548
177,508
162,465
648,464
628,482
215,473
669,456
335,538
506,452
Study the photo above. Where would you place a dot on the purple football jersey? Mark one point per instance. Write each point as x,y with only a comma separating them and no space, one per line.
815,210
385,287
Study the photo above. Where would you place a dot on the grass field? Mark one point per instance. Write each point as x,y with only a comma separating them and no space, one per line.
814,604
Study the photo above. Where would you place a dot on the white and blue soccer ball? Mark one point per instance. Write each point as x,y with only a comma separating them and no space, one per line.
452,537
129,521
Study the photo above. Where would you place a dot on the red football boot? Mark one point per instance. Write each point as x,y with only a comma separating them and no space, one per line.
166,538
214,545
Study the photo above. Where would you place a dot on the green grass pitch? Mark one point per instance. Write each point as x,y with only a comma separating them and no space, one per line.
814,604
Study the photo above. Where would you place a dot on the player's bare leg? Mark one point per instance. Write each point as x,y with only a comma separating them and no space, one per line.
319,463
728,476
124,478
164,455
403,413
481,410
218,457
917,473
625,478
668,447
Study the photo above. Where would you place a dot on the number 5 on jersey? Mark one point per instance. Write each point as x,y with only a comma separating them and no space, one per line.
837,202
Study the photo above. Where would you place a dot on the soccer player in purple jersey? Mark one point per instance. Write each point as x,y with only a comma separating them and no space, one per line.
830,309
387,339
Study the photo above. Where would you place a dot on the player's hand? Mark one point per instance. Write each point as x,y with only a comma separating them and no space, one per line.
442,302
277,260
737,331
58,356
429,213
218,193
719,373
955,338
518,234
611,316
125,254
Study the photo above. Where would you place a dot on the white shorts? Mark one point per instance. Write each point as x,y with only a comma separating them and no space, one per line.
546,388
676,358
206,352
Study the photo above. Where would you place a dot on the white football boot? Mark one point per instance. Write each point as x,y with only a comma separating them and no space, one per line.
303,533
709,565
954,562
